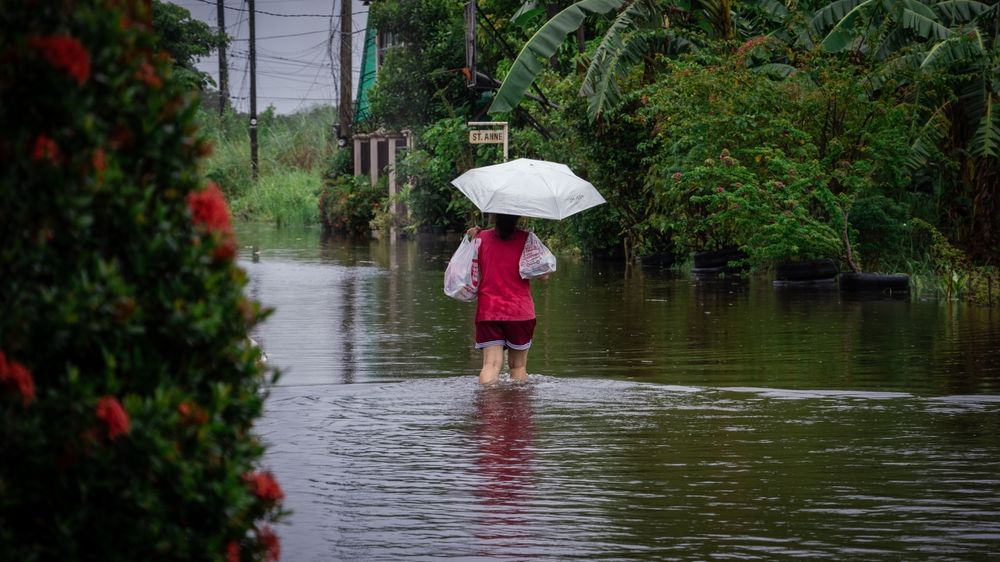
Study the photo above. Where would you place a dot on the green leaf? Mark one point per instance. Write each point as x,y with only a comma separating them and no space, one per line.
954,49
831,14
841,36
928,137
542,45
921,20
619,50
960,11
775,70
986,141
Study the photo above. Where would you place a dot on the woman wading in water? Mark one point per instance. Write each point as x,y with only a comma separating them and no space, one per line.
505,311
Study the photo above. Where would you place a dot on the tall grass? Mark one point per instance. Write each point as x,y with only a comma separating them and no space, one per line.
290,198
293,152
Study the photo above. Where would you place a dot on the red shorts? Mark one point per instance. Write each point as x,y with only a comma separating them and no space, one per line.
513,334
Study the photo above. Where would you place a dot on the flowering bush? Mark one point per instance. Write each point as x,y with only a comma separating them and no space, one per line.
128,388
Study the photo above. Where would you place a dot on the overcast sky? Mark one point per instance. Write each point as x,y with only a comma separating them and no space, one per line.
293,67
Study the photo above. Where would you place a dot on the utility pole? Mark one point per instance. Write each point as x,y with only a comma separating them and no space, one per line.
223,67
345,111
253,91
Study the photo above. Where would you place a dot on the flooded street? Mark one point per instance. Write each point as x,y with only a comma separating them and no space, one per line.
666,418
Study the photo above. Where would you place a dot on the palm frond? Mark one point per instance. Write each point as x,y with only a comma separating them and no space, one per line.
954,49
920,19
930,135
623,45
831,14
528,64
986,140
960,11
841,36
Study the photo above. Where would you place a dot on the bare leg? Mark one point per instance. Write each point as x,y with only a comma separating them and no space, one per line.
492,362
518,362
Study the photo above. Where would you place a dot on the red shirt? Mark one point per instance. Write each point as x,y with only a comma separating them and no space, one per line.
503,295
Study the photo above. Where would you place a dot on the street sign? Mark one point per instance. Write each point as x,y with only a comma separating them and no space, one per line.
488,136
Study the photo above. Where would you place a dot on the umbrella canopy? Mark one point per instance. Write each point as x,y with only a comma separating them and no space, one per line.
528,188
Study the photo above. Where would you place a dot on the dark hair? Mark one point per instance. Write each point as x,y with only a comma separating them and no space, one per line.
505,225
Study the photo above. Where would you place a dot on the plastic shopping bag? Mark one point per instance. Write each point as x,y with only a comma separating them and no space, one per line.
536,259
461,278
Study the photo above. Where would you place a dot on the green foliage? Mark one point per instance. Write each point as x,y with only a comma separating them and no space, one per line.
186,40
121,300
419,81
348,204
443,155
770,166
294,152
542,45
288,198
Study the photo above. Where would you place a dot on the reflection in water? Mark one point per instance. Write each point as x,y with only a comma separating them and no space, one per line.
504,436
348,329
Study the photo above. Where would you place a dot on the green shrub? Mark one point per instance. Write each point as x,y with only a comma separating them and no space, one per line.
348,204
128,387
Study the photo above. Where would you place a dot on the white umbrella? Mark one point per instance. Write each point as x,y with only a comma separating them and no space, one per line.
528,188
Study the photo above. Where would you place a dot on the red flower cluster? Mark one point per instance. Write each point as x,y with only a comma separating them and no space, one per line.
264,486
17,377
209,211
233,551
114,416
147,74
269,541
45,149
64,53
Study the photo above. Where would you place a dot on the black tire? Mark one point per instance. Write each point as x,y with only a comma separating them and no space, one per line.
874,283
718,258
809,270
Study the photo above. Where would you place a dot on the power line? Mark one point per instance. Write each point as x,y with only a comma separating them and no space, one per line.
279,15
283,36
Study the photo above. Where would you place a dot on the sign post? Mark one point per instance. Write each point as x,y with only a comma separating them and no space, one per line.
490,136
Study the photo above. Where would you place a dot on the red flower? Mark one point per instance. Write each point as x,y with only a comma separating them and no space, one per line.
208,209
147,74
114,416
264,486
192,413
64,53
233,551
16,376
269,541
45,149
99,162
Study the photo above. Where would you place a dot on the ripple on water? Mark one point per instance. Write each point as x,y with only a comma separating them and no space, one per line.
617,470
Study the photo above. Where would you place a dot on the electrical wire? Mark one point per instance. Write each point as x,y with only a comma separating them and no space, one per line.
274,14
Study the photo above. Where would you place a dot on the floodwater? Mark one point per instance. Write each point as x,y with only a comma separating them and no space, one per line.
666,418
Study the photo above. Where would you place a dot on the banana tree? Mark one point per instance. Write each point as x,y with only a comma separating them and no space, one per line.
639,29
969,119
877,27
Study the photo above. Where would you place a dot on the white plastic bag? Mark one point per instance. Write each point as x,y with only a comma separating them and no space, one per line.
536,259
461,278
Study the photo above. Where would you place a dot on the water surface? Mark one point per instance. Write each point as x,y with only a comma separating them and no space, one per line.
667,418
